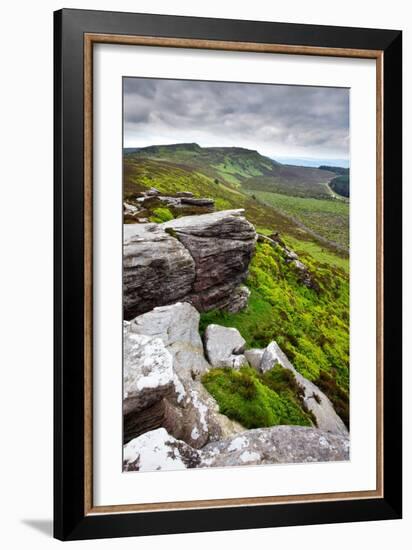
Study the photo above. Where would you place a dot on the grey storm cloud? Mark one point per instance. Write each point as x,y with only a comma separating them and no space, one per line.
274,119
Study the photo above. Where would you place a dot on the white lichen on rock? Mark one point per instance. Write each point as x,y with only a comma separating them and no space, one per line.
157,450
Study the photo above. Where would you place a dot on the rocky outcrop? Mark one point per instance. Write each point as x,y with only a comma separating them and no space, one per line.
140,208
172,422
221,245
313,398
197,202
199,259
157,450
224,347
164,345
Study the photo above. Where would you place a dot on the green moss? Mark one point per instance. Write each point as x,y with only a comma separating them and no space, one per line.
256,400
161,215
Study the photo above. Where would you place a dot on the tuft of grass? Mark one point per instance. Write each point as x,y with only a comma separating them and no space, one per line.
161,214
255,400
250,322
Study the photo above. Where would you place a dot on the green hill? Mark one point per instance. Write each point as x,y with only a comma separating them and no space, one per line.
241,168
242,178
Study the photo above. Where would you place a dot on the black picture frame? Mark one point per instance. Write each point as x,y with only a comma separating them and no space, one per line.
71,522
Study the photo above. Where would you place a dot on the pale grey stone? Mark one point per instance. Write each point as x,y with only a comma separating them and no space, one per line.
315,400
158,450
254,357
129,208
224,346
147,371
279,444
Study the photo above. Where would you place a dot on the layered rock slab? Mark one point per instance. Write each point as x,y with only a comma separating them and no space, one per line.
157,269
201,259
279,444
221,245
158,450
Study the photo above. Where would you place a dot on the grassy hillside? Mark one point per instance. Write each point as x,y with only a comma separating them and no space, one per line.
153,167
234,165
312,184
230,164
328,218
311,326
140,174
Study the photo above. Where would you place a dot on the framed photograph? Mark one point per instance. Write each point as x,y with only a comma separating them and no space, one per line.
227,274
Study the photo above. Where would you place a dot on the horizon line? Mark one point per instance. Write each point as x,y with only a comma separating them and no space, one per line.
302,157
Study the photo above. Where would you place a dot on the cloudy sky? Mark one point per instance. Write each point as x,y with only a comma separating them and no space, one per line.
278,121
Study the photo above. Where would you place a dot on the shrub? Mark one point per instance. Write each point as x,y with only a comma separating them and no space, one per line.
222,204
161,214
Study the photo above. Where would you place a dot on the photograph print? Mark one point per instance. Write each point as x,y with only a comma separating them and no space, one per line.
236,203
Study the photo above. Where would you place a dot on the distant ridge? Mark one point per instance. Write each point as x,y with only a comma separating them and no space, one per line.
240,167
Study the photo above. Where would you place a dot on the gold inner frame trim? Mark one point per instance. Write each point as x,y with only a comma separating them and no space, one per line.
89,40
